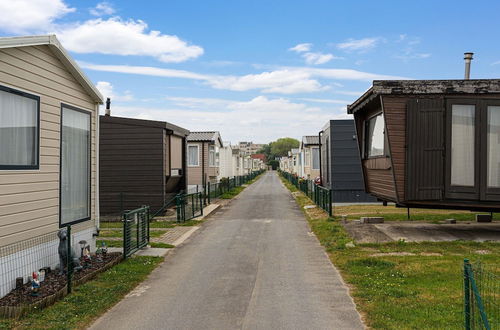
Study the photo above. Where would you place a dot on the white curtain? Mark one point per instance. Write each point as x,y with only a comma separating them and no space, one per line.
375,134
211,156
494,146
18,130
315,158
75,166
462,145
193,155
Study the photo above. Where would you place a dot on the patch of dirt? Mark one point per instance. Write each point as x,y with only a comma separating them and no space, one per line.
384,254
431,254
482,251
53,283
362,233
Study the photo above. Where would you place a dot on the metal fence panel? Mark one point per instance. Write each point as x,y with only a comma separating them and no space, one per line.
481,297
135,230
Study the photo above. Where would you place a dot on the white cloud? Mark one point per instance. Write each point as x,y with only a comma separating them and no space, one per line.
118,37
300,48
495,63
283,81
329,101
359,44
317,58
107,90
22,16
261,119
102,9
410,55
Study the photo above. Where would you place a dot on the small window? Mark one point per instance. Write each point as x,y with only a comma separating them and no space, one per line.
193,155
463,145
19,129
375,136
213,156
315,158
493,147
307,160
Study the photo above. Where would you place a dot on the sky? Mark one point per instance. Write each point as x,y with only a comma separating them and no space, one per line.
258,70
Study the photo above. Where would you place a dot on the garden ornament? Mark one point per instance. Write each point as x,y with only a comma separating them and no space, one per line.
63,252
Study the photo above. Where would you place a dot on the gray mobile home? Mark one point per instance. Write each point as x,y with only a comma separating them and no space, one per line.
340,163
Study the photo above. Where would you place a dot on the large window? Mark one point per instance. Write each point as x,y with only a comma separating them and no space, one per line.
493,147
19,127
75,165
193,155
315,158
375,136
462,145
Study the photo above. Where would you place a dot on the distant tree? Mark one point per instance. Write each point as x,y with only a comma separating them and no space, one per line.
282,146
266,150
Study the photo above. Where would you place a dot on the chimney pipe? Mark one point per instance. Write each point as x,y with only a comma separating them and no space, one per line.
108,107
468,59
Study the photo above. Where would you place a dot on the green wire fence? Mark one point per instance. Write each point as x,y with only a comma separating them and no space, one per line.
481,297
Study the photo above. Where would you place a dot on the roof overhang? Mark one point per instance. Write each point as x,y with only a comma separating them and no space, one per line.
421,87
56,47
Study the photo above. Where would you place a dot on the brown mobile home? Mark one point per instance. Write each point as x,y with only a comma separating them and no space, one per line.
431,143
48,154
142,162
203,158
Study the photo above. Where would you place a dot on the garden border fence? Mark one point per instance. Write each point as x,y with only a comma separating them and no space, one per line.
321,196
135,230
481,293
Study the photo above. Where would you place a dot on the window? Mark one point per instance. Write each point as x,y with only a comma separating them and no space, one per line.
307,160
75,165
462,145
213,156
19,129
315,158
375,138
193,155
493,147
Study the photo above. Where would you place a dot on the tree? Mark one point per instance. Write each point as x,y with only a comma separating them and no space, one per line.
282,146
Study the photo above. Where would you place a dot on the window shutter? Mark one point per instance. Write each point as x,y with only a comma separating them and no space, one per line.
425,131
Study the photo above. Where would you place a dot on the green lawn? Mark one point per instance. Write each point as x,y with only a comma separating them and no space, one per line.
90,300
420,291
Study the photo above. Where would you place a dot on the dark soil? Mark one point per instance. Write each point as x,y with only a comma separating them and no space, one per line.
53,283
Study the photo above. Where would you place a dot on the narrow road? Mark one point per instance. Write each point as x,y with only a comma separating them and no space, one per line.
254,265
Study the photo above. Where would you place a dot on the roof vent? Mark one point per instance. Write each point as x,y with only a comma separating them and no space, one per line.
468,59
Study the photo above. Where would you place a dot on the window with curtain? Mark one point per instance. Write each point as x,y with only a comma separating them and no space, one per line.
75,165
211,156
462,145
375,136
307,156
493,146
193,155
315,158
19,126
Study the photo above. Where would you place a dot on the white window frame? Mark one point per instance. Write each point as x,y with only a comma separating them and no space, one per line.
36,146
197,155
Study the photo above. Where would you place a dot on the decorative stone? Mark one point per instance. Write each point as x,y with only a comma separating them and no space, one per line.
372,220
350,245
483,218
309,206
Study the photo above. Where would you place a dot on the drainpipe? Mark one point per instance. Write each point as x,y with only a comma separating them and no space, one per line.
97,209
320,164
468,59
203,181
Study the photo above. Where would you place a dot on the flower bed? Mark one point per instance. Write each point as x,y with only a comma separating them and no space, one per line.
20,302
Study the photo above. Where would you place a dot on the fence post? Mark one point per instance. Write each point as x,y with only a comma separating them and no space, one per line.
69,259
330,203
201,204
466,294
178,207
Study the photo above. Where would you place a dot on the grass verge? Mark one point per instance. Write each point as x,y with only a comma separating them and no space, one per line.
90,300
400,285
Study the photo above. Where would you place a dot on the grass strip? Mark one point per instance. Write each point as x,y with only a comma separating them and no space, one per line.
90,300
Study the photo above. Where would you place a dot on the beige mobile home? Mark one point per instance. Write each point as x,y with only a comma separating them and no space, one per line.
48,155
203,158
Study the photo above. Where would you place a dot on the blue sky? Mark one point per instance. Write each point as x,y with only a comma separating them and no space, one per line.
259,70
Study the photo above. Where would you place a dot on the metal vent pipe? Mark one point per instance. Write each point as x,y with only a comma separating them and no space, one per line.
108,107
468,59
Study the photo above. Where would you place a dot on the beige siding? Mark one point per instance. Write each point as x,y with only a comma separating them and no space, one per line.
29,199
195,172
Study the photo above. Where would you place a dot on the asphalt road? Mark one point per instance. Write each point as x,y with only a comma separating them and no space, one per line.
253,265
